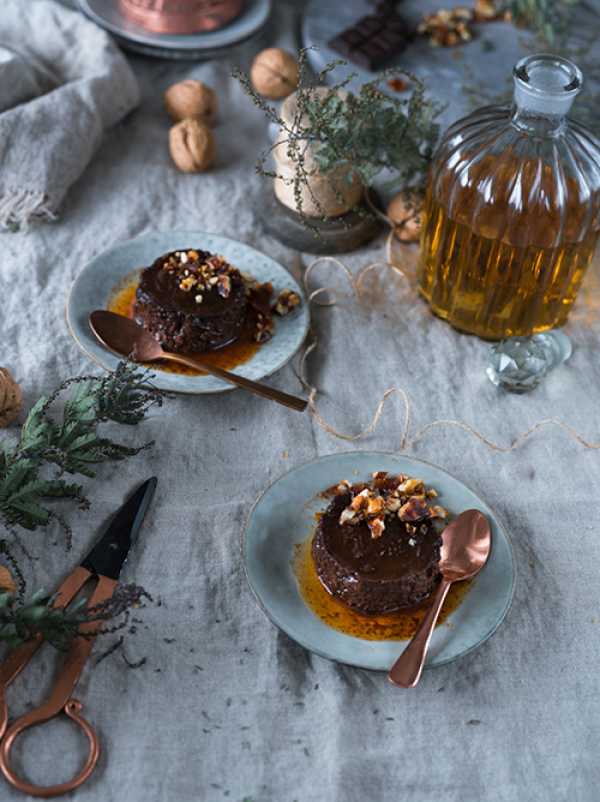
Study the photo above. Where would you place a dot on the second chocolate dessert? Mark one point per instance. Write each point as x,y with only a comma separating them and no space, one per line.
377,547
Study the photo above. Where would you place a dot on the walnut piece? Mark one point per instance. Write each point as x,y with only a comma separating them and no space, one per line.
414,510
192,146
405,214
377,527
286,301
11,398
192,100
274,73
7,583
264,328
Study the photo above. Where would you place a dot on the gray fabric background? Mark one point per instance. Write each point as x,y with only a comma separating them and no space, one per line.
231,708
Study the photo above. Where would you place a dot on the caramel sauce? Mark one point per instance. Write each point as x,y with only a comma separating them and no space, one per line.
122,301
393,626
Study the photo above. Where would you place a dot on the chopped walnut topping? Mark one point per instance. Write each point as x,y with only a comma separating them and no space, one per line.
392,503
375,505
487,11
399,496
187,283
377,527
360,501
438,512
201,271
380,479
224,286
448,27
411,487
348,516
414,510
286,301
250,282
264,328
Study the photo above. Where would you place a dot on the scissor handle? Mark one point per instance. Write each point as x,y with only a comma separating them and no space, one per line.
13,665
60,699
19,657
72,709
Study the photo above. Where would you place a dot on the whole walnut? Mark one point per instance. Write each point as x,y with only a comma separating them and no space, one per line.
405,213
274,73
10,398
191,100
192,146
7,583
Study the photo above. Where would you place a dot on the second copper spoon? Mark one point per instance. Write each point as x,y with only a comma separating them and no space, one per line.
126,337
466,545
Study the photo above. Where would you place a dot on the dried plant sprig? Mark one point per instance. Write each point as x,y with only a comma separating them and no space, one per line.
360,134
20,620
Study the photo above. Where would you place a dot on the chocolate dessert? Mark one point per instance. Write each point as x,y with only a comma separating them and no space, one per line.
195,301
377,546
191,301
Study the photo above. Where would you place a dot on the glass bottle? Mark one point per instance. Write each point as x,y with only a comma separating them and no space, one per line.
512,213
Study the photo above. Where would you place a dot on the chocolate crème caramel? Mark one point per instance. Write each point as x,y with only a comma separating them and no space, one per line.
377,545
192,300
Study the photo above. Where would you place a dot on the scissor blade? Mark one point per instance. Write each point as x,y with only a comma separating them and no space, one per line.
110,552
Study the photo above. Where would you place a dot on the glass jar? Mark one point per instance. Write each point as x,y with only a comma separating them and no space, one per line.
511,216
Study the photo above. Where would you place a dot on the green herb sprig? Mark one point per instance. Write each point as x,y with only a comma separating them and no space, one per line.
550,19
361,134
32,478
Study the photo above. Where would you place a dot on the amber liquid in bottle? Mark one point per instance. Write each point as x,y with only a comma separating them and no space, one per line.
512,214
491,287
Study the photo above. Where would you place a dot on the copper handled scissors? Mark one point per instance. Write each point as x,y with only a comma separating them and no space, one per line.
104,564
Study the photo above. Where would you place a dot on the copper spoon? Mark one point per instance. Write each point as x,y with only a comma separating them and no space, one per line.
466,545
126,337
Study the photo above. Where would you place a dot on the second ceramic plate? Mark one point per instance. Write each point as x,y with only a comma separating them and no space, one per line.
99,278
284,516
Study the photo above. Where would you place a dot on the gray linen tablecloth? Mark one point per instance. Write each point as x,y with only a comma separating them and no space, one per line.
225,706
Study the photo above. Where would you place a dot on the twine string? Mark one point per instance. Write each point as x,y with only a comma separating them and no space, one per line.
406,439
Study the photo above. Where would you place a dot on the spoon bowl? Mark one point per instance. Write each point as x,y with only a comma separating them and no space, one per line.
466,546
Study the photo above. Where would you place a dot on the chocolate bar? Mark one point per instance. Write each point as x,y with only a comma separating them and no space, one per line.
374,39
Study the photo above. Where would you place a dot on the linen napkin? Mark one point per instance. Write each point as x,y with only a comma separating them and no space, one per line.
63,82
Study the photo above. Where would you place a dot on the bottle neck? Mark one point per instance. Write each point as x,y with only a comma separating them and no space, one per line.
536,124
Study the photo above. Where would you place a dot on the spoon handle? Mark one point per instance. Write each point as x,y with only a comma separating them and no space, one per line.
407,669
257,388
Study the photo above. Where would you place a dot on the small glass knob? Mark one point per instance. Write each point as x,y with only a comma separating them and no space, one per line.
519,364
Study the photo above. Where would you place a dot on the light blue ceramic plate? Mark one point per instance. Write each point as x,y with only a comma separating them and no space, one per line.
108,15
98,279
284,516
